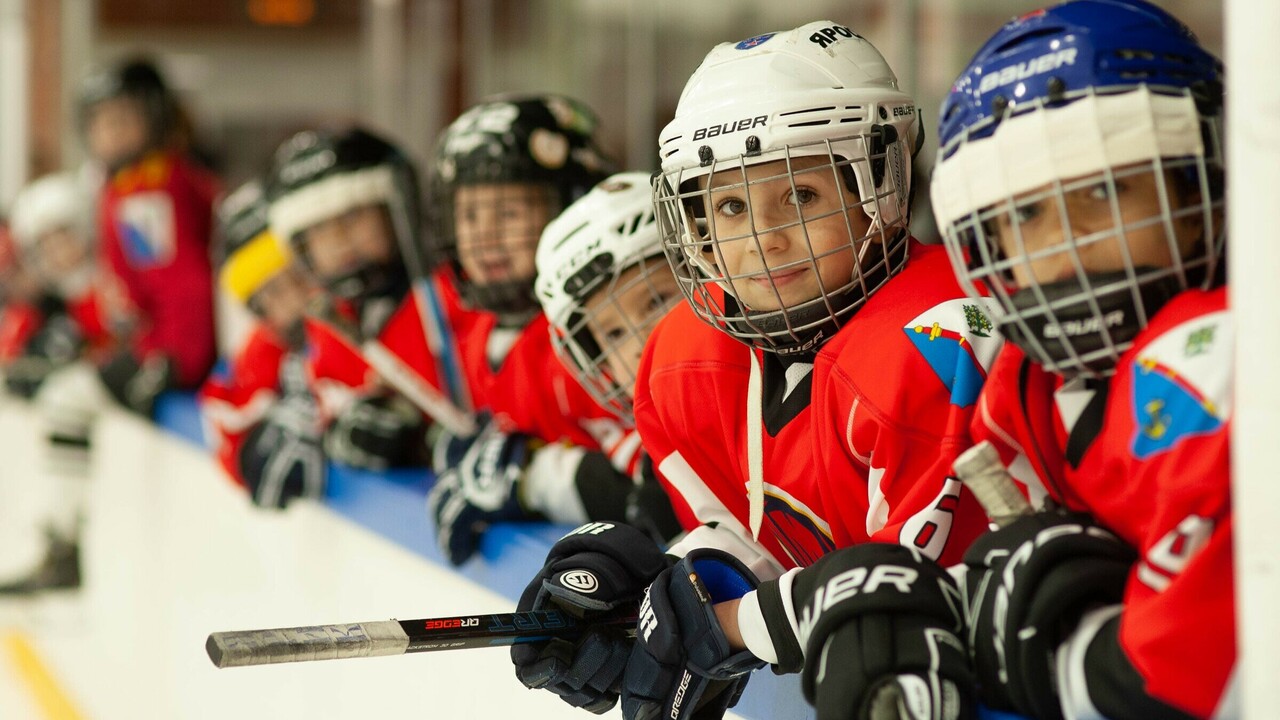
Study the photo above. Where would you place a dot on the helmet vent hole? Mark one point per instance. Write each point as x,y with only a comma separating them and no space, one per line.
1022,39
807,110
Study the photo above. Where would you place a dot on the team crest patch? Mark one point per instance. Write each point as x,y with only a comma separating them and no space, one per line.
803,535
1182,385
145,227
753,41
954,338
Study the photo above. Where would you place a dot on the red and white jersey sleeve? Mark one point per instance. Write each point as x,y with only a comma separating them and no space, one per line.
231,403
895,390
1146,454
155,223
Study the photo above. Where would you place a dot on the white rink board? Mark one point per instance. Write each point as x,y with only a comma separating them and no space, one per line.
174,552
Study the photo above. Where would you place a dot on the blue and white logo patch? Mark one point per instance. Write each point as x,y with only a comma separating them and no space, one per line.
753,41
146,229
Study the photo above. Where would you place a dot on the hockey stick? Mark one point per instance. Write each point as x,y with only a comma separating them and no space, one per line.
981,470
398,374
406,381
398,637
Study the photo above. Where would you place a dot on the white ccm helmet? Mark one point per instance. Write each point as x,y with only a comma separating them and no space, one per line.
818,91
584,255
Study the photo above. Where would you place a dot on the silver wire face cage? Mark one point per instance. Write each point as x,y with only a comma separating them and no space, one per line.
1084,320
504,254
825,233
604,342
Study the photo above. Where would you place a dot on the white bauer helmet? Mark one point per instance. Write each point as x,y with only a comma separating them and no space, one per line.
822,91
583,255
59,201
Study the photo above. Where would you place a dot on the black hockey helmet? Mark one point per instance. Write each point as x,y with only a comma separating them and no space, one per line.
139,79
320,175
526,139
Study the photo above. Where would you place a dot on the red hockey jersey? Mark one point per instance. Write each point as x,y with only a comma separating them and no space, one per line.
860,449
154,227
340,374
232,403
1147,454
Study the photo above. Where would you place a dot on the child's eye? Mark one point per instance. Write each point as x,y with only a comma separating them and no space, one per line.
1105,191
1025,213
658,301
804,196
730,207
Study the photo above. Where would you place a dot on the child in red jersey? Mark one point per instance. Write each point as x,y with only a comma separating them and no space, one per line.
811,393
65,317
155,222
261,412
347,204
503,170
1087,199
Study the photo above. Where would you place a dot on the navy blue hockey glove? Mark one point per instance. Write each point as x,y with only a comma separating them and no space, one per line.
135,383
377,433
879,636
282,458
598,570
682,667
483,488
1026,587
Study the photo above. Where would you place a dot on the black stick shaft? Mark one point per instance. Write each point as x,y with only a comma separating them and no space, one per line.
396,637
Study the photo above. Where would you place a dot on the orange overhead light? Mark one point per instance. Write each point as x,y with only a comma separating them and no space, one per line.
282,12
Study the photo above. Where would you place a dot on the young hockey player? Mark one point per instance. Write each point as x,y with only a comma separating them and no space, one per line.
604,284
261,412
504,169
155,220
809,396
348,205
53,226
1080,185
53,335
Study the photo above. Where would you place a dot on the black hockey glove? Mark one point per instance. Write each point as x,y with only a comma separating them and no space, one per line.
682,667
1026,587
595,571
136,384
483,488
879,636
56,344
377,433
282,457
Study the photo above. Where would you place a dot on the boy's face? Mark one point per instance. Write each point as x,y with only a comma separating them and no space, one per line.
116,130
620,317
1042,232
282,301
498,226
771,235
357,238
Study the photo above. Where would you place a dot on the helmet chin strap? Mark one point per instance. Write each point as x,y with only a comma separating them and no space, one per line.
1072,336
755,447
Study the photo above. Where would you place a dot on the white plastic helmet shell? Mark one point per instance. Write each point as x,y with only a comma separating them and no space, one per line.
796,89
615,219
51,203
